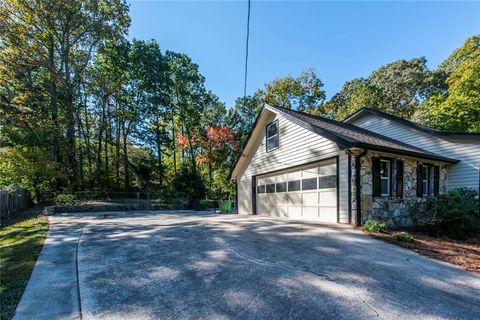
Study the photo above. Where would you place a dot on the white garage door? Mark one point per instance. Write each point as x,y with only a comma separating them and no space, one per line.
306,193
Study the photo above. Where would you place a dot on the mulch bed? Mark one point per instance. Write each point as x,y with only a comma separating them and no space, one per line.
462,253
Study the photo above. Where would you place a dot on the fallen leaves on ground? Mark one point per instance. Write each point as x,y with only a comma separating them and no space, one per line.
462,253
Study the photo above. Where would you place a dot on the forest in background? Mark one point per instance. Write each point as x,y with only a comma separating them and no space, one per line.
82,107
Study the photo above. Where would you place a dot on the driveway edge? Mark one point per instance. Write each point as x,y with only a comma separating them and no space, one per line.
52,291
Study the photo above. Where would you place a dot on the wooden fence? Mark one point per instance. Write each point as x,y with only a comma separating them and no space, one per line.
11,201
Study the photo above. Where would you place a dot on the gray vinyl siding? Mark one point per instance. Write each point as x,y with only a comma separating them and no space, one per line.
467,150
297,146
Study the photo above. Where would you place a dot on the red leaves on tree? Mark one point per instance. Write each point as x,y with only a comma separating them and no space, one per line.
220,137
183,141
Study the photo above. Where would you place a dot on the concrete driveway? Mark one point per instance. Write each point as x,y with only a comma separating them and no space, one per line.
185,265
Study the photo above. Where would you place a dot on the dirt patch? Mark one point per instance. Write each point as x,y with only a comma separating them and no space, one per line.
462,253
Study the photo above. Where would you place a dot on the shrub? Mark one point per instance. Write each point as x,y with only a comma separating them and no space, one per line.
403,236
170,204
65,199
189,185
205,204
455,214
416,209
374,226
30,168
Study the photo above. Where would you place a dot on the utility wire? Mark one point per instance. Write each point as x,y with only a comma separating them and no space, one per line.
246,57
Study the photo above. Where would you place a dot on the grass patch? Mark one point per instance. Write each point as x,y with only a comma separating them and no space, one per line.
403,236
21,240
374,226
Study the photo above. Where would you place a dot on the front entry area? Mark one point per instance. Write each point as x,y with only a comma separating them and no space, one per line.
308,192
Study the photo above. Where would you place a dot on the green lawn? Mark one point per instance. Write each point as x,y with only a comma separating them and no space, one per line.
21,239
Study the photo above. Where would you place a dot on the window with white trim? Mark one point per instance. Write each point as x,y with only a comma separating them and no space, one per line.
272,136
384,177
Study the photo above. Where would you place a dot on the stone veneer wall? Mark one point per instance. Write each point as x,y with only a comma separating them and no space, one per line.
393,210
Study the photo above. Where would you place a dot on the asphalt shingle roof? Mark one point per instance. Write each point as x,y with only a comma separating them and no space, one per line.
347,135
412,124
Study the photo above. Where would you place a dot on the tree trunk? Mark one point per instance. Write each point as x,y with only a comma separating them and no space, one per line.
125,156
174,145
53,102
210,169
88,145
100,137
158,140
117,149
80,152
106,145
191,151
71,147
183,150
69,108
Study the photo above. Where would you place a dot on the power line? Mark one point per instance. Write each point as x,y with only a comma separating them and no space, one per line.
246,56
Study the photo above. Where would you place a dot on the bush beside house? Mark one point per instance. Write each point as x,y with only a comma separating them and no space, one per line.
454,214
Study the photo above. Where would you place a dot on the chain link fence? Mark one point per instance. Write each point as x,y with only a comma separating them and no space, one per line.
151,200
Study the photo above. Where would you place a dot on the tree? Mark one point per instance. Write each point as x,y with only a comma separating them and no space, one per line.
60,38
398,88
405,85
459,108
107,81
468,51
218,145
30,168
189,185
187,102
241,117
151,71
301,93
355,94
81,103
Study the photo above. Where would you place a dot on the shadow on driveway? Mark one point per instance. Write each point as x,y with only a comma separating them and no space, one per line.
184,265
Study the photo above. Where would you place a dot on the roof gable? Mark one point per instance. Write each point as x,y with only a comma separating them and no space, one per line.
347,135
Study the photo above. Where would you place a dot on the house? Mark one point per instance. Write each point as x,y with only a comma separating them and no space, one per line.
370,166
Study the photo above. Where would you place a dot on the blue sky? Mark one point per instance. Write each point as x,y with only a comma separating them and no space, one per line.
339,40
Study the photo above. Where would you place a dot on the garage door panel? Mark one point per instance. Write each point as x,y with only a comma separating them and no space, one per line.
269,180
294,199
295,212
270,205
282,210
310,173
328,198
310,198
304,194
295,175
282,198
310,212
328,214
327,170
261,204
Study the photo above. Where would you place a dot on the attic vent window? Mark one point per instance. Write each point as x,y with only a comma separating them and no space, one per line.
272,136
